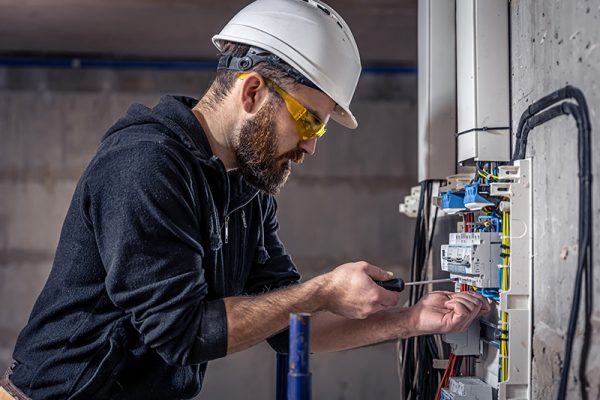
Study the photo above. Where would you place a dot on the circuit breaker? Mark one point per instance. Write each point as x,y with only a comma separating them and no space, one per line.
467,388
473,258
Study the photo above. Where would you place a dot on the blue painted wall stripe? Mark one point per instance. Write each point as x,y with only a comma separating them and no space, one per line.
175,65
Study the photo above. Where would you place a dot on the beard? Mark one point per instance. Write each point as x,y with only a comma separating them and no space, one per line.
256,152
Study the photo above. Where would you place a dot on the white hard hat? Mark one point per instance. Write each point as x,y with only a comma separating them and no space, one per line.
308,35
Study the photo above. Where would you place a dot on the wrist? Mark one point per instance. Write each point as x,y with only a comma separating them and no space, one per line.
318,294
413,321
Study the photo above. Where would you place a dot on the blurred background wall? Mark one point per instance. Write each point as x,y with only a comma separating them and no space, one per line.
339,206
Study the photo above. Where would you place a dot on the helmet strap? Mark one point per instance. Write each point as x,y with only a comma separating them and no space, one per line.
255,56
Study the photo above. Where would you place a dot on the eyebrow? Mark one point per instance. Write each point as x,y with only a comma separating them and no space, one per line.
314,113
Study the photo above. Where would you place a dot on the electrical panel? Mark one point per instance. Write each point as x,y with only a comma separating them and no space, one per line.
489,250
491,253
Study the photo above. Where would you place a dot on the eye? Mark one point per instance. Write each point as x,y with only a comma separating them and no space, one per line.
312,119
306,124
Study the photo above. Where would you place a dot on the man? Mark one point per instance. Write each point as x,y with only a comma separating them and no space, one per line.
169,255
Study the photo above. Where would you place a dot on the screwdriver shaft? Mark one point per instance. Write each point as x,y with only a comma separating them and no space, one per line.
431,281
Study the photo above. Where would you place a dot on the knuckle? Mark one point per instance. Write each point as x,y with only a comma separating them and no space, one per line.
374,298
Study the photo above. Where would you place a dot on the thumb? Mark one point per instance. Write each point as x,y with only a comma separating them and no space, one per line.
377,273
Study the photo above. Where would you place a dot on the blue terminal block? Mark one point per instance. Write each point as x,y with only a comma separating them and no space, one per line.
473,200
299,376
453,202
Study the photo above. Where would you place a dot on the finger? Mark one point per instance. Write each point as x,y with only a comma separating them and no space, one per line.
460,317
467,306
457,307
446,292
469,297
388,298
377,273
477,296
485,308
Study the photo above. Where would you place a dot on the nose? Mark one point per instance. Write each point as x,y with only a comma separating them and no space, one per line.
309,146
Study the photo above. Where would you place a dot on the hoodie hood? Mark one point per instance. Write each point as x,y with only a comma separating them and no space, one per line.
174,113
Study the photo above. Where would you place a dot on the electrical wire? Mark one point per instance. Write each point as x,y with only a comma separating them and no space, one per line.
504,271
537,114
418,377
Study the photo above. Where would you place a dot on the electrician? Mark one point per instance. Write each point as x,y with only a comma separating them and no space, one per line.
169,255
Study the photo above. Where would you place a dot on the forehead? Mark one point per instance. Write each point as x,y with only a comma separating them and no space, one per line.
315,101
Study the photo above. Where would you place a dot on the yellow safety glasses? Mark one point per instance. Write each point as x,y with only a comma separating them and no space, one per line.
308,124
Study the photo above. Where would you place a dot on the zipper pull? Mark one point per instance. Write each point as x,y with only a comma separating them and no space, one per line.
226,229
244,219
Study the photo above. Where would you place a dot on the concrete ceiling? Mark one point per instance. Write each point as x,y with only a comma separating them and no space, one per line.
385,30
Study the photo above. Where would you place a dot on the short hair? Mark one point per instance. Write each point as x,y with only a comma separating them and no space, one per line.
223,80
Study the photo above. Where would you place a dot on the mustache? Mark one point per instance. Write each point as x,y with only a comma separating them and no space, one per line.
295,155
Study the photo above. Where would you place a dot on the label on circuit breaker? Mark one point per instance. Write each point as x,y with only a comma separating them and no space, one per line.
470,387
475,255
459,259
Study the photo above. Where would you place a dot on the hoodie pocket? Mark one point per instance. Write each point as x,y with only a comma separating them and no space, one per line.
98,380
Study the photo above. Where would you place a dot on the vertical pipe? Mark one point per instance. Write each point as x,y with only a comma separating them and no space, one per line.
299,377
282,371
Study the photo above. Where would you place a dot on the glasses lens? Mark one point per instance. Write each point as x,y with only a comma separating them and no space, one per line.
310,126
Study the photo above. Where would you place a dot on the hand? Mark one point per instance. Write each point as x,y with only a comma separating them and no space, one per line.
349,290
445,312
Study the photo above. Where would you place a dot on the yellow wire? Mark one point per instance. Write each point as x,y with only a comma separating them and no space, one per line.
485,174
504,286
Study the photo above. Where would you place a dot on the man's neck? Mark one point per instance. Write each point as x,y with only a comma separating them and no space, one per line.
217,132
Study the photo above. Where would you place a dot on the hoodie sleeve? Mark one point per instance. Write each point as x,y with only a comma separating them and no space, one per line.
140,204
277,271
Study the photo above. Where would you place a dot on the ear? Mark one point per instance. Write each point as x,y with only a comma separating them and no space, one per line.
253,93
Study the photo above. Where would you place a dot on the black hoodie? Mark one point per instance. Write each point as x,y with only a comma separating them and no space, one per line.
157,234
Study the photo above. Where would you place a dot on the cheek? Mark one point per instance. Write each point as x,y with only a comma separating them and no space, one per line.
287,133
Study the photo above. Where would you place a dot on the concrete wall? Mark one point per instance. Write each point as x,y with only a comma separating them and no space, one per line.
555,43
339,206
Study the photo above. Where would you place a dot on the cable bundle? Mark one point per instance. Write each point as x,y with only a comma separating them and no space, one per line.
418,378
540,112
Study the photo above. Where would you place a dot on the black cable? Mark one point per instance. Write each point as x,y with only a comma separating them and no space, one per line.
458,364
545,102
419,377
536,107
484,129
535,116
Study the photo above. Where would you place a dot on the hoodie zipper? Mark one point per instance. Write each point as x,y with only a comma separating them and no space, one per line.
244,219
244,223
226,228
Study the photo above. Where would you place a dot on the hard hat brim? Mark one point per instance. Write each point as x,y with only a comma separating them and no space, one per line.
344,117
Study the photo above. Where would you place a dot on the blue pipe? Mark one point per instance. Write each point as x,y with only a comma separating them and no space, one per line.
91,63
167,65
299,376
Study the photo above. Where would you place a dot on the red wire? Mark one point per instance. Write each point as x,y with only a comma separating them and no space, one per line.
447,374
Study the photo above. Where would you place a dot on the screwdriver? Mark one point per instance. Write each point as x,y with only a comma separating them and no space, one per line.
398,284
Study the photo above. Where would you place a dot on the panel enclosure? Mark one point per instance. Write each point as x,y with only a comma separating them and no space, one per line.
437,89
482,65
